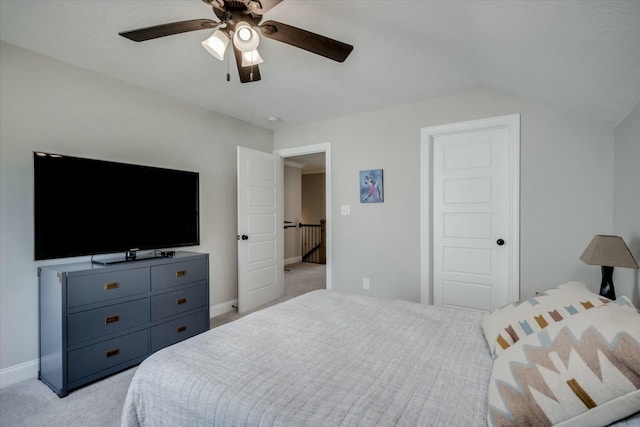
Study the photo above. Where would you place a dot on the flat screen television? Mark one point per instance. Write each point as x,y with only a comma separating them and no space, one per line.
90,207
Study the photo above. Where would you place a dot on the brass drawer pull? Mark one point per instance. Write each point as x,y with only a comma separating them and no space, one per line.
181,329
113,352
181,301
111,319
181,273
112,285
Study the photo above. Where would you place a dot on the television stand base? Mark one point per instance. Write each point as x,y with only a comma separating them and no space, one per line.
129,258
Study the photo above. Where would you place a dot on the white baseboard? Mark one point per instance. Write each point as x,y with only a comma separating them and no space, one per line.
292,260
225,307
17,373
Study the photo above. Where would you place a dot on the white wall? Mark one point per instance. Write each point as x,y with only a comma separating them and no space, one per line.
50,106
566,181
626,208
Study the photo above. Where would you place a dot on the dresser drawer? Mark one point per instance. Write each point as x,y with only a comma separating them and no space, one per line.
177,330
185,299
107,286
178,273
106,320
95,358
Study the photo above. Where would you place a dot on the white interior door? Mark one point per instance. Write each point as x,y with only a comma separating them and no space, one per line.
260,229
475,241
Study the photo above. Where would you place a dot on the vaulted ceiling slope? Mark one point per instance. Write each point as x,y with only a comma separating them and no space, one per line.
581,56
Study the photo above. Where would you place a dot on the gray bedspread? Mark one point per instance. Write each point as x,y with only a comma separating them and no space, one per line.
324,358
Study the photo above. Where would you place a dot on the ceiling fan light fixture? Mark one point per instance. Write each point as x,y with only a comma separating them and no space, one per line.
244,34
245,38
251,58
217,44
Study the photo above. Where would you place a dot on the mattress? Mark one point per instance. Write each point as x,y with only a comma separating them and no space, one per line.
323,358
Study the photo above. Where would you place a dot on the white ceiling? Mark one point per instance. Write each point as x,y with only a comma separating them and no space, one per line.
582,56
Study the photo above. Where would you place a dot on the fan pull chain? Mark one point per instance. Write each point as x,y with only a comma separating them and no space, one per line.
228,61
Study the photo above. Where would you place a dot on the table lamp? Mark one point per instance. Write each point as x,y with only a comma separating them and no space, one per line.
608,252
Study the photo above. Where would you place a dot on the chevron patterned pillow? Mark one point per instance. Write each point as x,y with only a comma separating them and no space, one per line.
584,371
507,325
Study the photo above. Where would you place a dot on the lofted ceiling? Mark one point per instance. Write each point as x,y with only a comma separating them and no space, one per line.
581,56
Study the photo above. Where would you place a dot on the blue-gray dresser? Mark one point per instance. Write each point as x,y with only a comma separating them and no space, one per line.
97,320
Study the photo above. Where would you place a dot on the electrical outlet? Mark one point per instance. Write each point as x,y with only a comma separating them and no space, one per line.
365,284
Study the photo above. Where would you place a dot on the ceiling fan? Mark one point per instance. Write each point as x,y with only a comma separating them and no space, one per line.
238,22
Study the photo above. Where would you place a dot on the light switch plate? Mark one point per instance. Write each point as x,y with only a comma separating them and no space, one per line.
345,209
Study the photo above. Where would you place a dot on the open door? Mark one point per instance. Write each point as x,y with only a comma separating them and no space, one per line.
260,229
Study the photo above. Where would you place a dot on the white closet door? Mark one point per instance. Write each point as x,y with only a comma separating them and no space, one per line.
473,233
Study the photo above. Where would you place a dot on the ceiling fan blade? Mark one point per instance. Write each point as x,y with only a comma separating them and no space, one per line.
315,43
247,74
148,33
263,6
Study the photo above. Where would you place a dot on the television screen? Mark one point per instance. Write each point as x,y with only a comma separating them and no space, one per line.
89,207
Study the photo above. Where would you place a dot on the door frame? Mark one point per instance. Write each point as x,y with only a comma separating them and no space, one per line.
312,149
427,135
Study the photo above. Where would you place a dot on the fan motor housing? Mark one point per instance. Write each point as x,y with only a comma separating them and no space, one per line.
235,11
235,4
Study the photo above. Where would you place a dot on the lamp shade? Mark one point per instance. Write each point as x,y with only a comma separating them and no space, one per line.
610,251
245,38
216,44
251,58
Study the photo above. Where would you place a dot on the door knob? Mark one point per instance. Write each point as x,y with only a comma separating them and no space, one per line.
500,242
245,237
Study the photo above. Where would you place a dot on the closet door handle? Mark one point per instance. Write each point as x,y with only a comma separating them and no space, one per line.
500,242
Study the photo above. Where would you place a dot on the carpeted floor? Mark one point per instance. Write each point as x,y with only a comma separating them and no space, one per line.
299,278
31,403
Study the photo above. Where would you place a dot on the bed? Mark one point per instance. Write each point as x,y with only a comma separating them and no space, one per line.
327,358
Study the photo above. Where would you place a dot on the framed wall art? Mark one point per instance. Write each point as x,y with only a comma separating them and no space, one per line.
371,186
